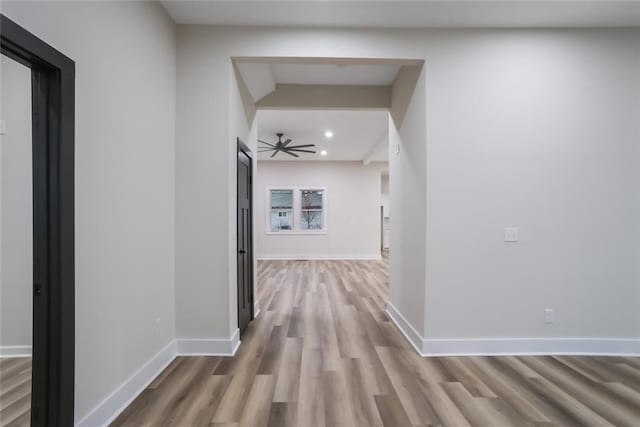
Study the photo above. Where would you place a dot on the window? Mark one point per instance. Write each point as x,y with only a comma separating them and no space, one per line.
311,209
296,210
281,210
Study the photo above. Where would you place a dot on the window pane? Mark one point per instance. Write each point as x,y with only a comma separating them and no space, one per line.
311,220
311,213
281,210
281,199
311,199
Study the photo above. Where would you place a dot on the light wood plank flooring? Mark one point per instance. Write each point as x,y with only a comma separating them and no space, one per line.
15,391
324,353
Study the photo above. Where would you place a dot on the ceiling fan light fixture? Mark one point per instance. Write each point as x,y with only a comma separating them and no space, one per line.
323,153
328,134
284,147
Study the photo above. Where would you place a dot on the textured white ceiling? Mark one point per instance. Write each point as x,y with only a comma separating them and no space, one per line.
408,14
358,135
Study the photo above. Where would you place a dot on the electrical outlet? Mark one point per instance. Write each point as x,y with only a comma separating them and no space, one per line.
548,315
511,234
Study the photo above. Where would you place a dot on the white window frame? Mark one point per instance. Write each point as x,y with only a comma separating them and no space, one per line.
297,210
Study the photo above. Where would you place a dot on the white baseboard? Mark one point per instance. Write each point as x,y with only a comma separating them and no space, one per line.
209,346
409,332
112,406
430,347
577,346
15,351
324,257
116,402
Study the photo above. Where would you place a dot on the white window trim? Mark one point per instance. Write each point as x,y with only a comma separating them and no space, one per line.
297,207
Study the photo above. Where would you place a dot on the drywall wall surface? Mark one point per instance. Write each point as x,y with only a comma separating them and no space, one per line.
203,174
407,159
637,197
384,197
534,130
292,96
386,211
125,55
351,217
16,208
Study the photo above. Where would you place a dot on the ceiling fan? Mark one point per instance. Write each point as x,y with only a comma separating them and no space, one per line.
284,147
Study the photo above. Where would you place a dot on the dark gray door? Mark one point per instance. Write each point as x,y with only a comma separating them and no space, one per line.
245,239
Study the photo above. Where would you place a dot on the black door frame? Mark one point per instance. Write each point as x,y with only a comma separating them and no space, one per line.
53,105
242,148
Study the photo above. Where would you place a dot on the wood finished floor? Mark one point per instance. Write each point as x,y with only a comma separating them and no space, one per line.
15,391
324,353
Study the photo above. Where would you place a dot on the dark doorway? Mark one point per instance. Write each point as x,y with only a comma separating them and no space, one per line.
245,238
53,86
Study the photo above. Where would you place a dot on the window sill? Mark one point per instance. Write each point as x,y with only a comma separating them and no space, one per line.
296,233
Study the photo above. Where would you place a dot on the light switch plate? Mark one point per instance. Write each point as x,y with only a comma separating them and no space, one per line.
548,315
511,234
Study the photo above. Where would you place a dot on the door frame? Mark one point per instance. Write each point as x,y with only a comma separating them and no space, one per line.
242,148
53,111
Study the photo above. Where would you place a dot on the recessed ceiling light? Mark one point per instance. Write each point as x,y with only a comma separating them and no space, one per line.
328,134
323,153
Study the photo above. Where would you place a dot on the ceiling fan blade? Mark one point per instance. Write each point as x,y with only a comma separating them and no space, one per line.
290,153
300,151
302,146
274,153
284,144
266,143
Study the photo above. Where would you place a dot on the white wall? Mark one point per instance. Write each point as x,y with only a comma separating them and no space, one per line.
206,304
407,154
528,128
125,56
542,134
386,211
16,213
352,210
384,196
